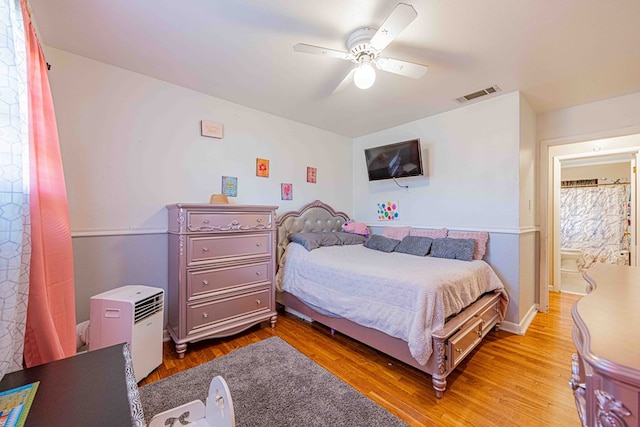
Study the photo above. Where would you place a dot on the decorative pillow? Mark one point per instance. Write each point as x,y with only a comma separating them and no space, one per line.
481,238
415,245
314,240
349,238
397,233
453,248
381,243
440,233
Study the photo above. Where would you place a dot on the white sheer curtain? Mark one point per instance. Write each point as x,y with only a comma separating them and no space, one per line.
15,249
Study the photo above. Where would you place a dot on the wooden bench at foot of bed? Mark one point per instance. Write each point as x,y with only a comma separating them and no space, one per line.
451,344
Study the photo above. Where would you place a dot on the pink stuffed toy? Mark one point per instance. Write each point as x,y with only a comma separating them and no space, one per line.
356,228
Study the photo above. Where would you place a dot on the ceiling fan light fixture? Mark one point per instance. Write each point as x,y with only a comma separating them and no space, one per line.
365,75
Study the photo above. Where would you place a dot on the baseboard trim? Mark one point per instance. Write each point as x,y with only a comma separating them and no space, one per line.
520,328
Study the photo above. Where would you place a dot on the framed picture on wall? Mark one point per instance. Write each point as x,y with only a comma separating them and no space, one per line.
387,211
311,174
286,191
230,186
262,168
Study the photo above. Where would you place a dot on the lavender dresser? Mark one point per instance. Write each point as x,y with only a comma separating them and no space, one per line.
221,270
606,371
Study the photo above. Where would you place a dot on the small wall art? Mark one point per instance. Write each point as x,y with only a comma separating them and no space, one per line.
211,129
286,191
387,211
230,186
262,168
311,174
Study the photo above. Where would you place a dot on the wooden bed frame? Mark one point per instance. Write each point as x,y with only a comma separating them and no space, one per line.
451,344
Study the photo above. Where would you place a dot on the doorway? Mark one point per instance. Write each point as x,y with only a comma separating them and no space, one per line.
595,216
552,154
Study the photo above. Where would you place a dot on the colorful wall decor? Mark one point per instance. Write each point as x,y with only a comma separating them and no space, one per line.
286,191
230,186
388,211
262,168
311,174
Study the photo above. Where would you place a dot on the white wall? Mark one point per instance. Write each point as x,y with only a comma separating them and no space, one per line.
602,119
611,171
471,159
528,279
131,144
473,182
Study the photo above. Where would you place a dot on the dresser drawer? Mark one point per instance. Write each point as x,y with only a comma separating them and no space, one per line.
206,314
201,283
217,248
490,315
464,341
212,222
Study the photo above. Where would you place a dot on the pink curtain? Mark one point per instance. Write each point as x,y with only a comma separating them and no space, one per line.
51,319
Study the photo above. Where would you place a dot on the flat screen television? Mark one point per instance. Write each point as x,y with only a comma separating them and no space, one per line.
398,160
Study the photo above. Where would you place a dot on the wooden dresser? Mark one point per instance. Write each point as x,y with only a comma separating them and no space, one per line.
606,371
221,270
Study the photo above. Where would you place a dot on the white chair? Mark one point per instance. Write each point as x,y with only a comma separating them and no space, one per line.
217,413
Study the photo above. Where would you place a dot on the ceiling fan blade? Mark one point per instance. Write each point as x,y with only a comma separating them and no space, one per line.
345,82
403,68
401,16
317,50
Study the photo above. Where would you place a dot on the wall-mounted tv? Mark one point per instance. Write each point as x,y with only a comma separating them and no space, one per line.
398,160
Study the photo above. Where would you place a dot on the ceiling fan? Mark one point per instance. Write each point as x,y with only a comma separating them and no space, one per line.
365,46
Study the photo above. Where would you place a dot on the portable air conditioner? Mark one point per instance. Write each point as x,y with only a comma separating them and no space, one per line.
132,314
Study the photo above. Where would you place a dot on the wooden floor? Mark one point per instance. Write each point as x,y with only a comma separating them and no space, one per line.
509,380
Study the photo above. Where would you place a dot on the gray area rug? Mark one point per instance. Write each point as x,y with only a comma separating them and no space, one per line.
271,384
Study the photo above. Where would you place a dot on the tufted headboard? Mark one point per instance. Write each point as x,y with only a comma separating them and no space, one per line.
316,216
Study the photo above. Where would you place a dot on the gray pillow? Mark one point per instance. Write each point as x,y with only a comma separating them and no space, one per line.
381,243
462,249
314,240
350,238
415,245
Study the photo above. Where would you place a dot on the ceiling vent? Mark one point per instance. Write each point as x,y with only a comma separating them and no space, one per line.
478,94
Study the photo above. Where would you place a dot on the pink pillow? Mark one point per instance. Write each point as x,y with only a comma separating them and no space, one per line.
481,238
440,233
397,233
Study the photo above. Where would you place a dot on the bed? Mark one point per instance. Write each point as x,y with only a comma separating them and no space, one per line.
375,297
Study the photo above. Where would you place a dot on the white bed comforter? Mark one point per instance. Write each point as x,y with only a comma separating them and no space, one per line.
405,296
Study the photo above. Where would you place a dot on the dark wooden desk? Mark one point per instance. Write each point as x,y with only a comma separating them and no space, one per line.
88,389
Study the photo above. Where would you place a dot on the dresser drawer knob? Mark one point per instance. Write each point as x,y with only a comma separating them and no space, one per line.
205,249
259,245
205,282
459,350
206,221
258,302
205,315
258,273
259,220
